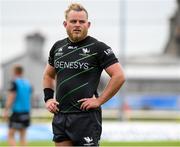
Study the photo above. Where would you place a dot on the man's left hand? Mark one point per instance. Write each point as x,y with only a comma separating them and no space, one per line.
89,103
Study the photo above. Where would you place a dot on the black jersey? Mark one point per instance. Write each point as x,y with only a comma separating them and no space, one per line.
78,69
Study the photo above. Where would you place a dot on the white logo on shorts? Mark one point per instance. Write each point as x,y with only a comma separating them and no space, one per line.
88,140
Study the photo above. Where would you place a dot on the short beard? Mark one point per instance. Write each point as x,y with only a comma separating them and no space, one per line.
77,38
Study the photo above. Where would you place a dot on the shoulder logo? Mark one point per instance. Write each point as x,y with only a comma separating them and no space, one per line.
60,49
108,51
59,52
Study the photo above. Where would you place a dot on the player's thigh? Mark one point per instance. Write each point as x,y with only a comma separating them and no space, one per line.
84,128
58,128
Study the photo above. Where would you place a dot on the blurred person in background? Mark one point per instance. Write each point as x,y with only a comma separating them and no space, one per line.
17,106
75,65
177,39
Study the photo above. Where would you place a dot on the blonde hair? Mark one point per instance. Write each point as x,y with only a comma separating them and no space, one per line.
75,7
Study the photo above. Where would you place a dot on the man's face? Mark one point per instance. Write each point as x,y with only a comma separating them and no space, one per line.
76,25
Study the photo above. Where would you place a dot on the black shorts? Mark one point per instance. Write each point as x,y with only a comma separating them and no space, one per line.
83,129
19,120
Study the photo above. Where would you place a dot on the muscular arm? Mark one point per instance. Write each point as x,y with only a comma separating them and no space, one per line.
48,82
49,77
117,79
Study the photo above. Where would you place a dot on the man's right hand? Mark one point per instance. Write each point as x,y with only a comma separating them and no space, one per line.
52,105
5,115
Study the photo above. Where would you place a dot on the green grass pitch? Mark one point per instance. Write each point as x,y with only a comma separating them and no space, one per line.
106,143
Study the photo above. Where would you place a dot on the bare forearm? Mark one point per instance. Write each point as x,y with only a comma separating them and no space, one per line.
49,77
10,100
48,82
8,105
112,88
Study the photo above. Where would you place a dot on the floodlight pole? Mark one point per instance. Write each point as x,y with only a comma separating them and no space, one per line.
122,52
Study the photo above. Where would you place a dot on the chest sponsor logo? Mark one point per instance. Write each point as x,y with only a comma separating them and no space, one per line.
71,65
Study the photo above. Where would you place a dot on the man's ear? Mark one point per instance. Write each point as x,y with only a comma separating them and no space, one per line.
89,24
64,23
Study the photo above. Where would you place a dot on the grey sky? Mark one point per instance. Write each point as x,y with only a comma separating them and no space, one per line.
146,31
144,19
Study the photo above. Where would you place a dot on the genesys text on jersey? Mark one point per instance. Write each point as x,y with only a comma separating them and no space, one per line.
71,65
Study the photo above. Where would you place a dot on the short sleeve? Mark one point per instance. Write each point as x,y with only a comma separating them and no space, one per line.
12,86
51,55
106,56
